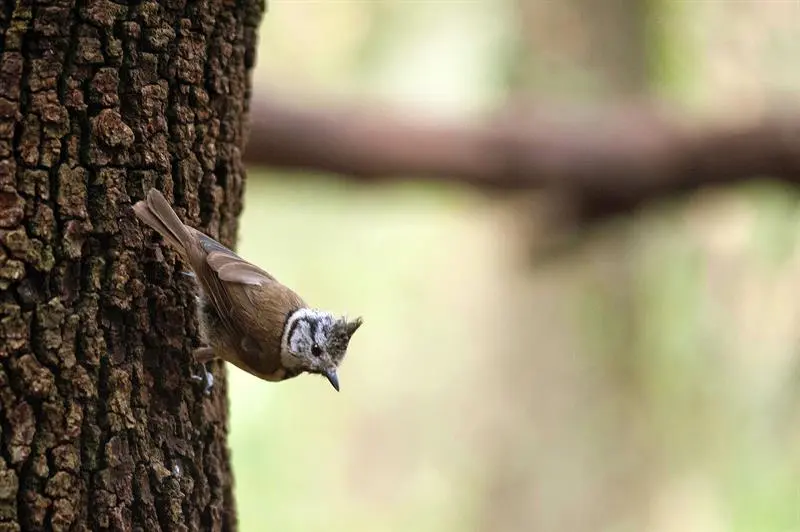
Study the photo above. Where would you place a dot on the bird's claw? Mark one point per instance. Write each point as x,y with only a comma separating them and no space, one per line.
206,378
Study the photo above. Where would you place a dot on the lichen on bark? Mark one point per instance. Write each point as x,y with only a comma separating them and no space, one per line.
100,425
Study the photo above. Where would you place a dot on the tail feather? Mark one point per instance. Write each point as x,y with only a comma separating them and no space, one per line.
156,212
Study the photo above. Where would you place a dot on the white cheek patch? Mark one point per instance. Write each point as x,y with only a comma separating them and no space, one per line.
290,344
307,327
323,330
298,342
320,337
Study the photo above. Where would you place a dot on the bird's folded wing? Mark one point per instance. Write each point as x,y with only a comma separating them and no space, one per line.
229,266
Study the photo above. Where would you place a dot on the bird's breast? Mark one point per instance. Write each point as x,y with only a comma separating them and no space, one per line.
273,376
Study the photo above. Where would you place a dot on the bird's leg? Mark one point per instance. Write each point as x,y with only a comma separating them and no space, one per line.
206,378
202,355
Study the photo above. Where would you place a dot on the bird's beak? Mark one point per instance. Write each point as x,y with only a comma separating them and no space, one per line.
332,378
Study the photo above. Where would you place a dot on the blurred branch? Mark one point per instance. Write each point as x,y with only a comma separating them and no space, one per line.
607,162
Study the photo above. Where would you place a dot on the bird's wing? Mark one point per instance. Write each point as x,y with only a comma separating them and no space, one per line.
221,274
231,284
229,266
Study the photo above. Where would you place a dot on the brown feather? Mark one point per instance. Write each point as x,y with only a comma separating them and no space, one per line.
245,309
156,212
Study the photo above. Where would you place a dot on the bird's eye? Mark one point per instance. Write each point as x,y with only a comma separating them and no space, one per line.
316,350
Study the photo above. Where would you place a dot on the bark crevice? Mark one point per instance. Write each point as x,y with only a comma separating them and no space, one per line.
101,426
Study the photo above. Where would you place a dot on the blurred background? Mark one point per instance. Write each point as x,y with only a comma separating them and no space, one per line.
647,380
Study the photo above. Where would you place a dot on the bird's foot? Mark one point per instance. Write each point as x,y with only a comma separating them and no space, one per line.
206,378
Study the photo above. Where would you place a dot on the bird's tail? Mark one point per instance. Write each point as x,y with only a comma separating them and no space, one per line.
156,212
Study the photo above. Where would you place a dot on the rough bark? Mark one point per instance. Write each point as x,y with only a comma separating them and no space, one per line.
101,427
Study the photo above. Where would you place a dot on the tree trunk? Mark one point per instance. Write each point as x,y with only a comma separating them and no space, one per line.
101,426
575,397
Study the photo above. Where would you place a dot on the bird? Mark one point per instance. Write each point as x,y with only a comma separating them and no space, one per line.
245,315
